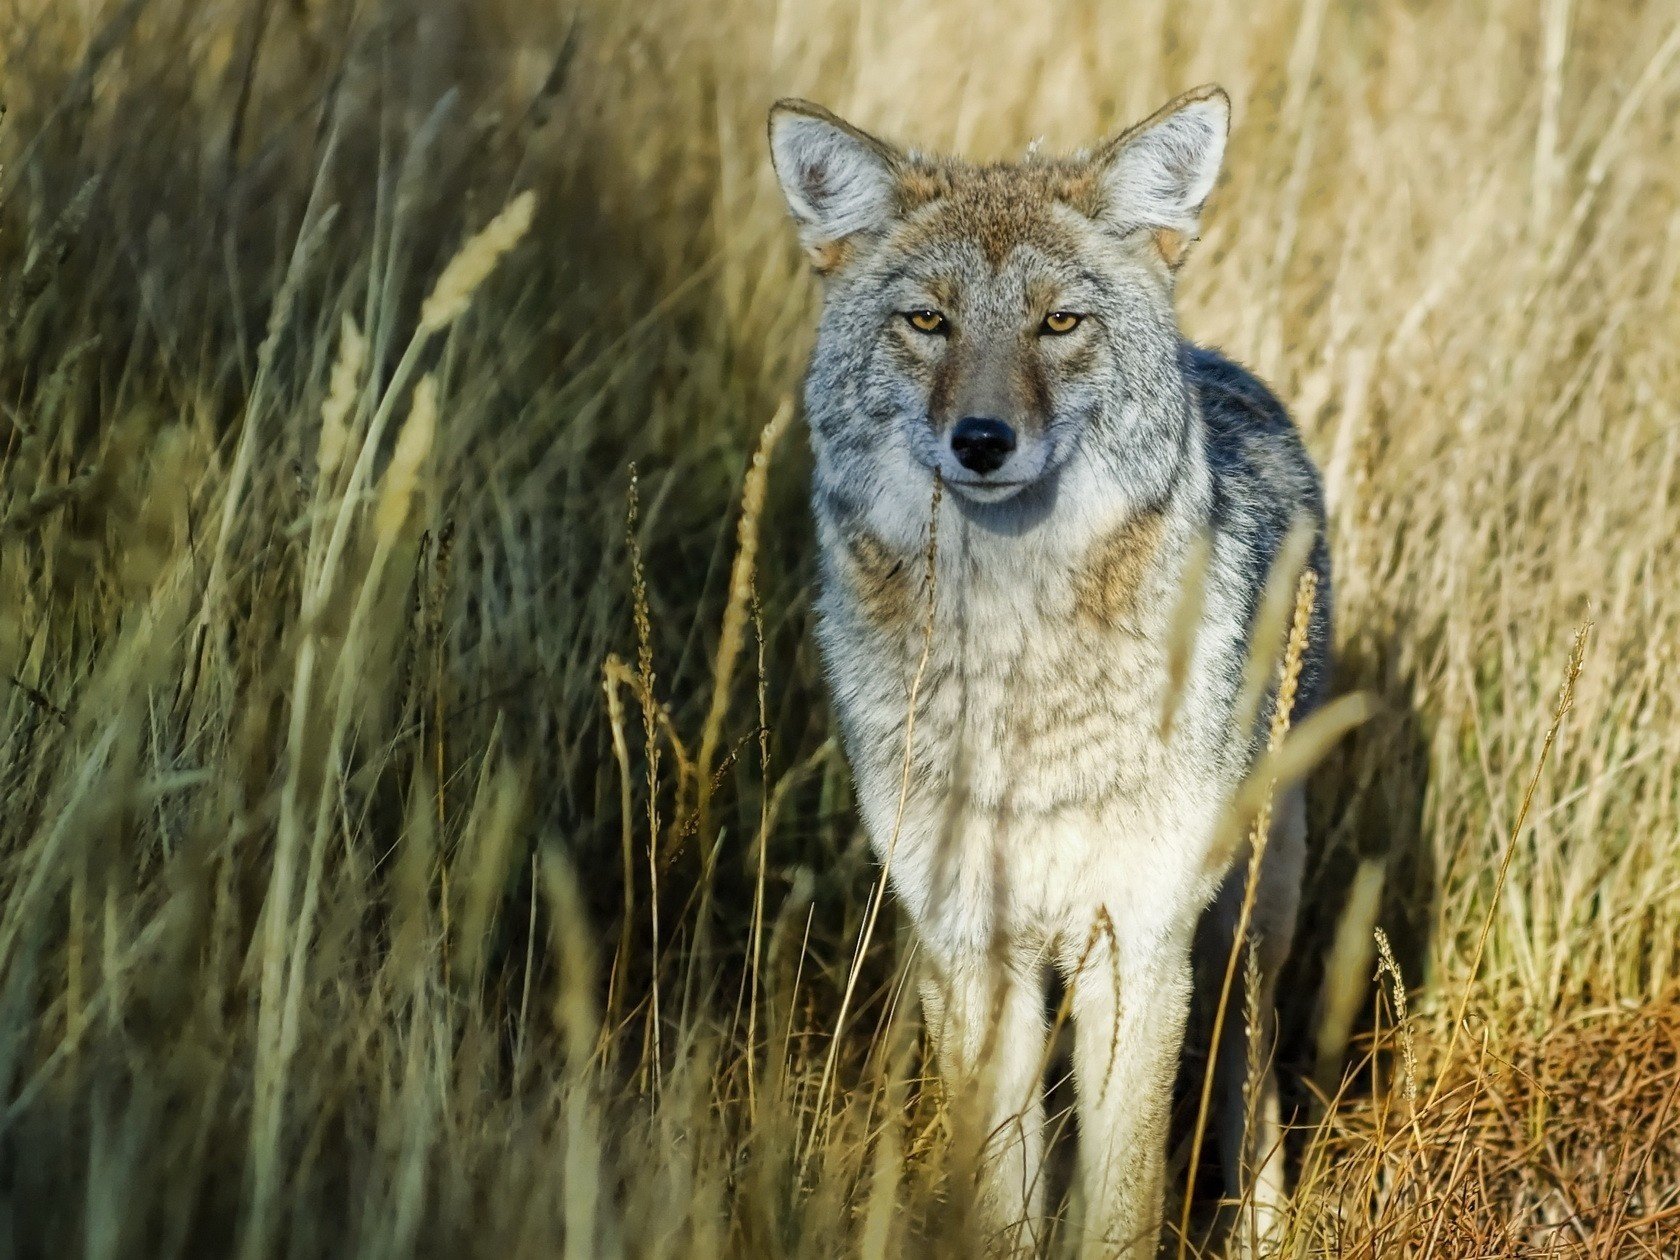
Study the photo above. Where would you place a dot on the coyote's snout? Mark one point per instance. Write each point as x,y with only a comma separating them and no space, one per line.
1008,330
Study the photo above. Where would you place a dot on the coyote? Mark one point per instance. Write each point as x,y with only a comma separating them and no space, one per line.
1045,730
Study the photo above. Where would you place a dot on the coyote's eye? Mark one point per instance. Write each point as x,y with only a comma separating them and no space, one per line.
930,322
1058,322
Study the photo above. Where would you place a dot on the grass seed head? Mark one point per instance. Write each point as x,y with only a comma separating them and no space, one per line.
402,477
475,261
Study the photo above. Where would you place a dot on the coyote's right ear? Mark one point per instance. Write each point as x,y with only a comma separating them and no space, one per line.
838,180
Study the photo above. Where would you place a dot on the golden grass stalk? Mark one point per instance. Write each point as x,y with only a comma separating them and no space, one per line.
1271,620
1305,747
450,296
1256,1060
415,866
455,287
1402,1015
341,398
614,672
577,1020
761,845
402,475
732,636
1347,972
1306,591
485,857
650,729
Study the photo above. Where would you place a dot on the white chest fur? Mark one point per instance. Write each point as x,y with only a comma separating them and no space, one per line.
1035,784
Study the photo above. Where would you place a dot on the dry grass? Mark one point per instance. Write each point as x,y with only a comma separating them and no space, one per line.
336,830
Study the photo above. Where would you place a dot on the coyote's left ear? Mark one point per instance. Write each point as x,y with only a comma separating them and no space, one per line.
838,180
1157,174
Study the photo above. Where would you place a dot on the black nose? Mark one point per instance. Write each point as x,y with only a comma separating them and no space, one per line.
981,445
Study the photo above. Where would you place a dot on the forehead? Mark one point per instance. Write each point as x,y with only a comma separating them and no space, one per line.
994,210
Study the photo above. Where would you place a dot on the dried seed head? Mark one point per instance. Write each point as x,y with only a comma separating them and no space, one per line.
341,397
413,445
476,260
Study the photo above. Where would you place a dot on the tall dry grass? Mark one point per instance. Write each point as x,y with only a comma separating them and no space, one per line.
399,856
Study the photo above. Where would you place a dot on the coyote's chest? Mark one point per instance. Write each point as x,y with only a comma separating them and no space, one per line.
1009,722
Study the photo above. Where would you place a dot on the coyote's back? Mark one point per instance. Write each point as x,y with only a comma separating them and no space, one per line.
1000,401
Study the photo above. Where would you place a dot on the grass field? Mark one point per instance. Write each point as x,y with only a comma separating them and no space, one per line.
421,827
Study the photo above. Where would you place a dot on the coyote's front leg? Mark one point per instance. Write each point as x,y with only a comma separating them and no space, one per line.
1129,1016
986,1020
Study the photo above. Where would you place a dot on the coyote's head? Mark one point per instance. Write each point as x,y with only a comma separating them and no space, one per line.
1002,324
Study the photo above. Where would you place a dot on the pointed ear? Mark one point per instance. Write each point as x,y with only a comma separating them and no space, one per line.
838,181
1157,174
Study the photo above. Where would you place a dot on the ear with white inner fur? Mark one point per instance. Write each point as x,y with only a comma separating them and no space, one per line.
838,181
1157,174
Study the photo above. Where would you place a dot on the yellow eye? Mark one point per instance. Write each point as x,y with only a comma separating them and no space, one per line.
1059,322
926,321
